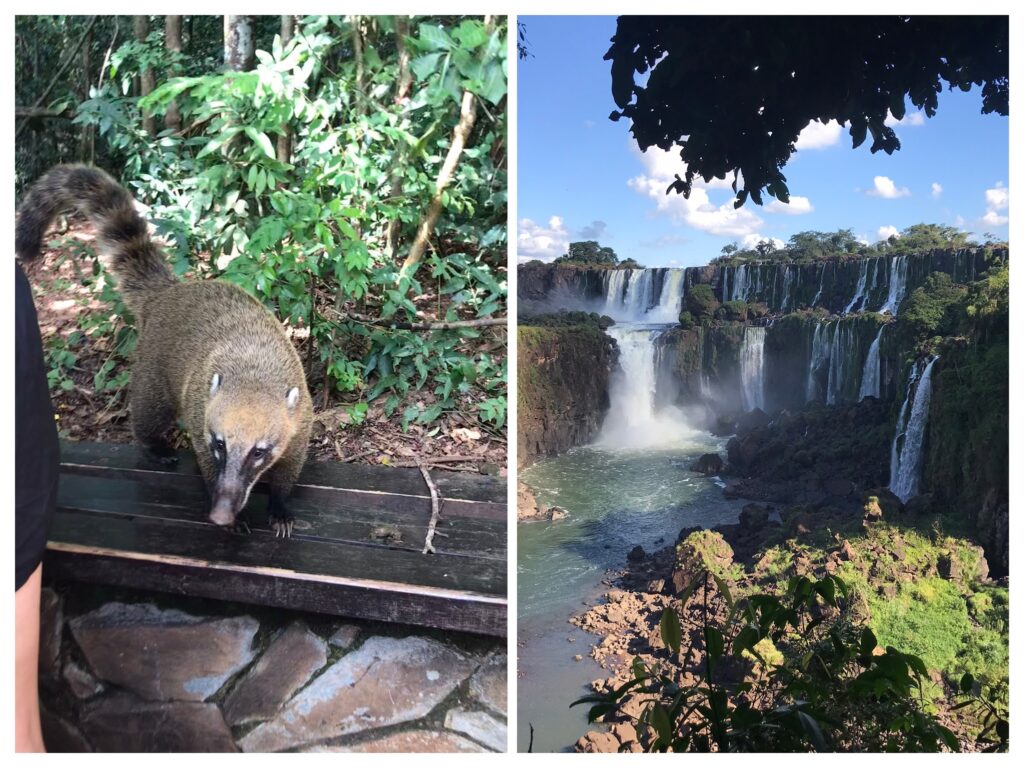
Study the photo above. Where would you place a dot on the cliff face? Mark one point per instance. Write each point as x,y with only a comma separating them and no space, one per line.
838,284
563,388
967,454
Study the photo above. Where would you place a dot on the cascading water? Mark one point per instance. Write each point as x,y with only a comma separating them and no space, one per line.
821,351
671,299
842,347
906,459
634,422
614,289
870,383
897,285
862,284
752,367
787,285
638,292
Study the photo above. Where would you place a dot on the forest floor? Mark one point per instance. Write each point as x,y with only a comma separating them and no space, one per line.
64,295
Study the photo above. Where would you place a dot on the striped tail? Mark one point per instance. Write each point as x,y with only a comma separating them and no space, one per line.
139,264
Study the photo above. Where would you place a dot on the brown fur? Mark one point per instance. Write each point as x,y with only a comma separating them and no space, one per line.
189,332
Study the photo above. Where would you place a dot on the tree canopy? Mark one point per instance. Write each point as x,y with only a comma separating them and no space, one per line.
588,252
734,93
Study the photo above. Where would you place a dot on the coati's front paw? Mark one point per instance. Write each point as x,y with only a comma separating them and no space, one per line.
160,453
280,518
240,527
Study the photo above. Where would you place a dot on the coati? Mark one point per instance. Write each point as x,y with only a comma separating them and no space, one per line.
208,353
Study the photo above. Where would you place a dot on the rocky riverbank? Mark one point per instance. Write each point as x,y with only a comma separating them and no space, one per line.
918,579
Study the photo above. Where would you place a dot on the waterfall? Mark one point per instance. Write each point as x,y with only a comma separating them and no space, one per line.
671,299
870,383
897,285
842,348
862,284
638,292
821,284
634,420
787,284
738,288
615,286
752,367
906,460
821,350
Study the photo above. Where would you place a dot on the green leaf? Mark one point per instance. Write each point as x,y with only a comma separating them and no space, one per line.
262,141
424,66
813,730
433,38
671,632
967,683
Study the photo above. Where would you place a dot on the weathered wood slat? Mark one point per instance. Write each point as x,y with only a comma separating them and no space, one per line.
462,486
166,499
125,521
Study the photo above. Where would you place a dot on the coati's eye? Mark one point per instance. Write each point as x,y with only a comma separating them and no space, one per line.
217,443
258,454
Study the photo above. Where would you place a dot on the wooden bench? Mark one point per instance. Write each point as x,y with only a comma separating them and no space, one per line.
356,549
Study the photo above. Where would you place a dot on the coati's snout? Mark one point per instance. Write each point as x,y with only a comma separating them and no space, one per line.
246,433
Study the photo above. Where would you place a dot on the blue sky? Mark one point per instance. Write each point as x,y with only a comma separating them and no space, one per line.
581,177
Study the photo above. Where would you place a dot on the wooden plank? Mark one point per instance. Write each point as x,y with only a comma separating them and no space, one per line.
128,459
396,585
168,498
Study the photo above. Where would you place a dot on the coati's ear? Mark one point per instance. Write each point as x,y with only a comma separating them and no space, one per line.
292,397
215,383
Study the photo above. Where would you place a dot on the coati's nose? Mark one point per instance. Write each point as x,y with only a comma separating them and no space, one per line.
223,512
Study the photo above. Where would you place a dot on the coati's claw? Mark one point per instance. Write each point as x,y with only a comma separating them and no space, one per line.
282,526
240,528
160,454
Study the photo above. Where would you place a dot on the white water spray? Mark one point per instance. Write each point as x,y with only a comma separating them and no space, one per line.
634,422
752,367
871,381
906,460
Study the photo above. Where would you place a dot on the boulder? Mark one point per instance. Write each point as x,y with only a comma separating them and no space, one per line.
526,503
708,464
699,552
872,510
949,567
888,501
753,516
636,554
556,513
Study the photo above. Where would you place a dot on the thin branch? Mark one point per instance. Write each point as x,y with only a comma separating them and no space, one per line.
435,507
460,135
60,71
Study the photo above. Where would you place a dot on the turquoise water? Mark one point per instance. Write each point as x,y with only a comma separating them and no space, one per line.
616,500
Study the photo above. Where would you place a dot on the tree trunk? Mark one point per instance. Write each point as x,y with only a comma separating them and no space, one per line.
147,80
172,42
284,139
239,44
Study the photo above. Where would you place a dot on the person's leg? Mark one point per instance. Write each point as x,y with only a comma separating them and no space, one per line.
28,733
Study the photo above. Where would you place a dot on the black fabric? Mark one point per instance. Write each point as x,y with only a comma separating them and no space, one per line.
36,448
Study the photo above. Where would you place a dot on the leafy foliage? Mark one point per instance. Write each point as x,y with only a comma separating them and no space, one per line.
734,93
316,235
701,303
827,683
588,252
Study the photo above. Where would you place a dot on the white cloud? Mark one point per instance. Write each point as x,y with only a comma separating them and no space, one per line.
936,189
996,199
884,233
910,118
819,135
797,205
886,187
698,211
752,241
545,243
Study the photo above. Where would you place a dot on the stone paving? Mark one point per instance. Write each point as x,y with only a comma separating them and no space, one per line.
127,671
